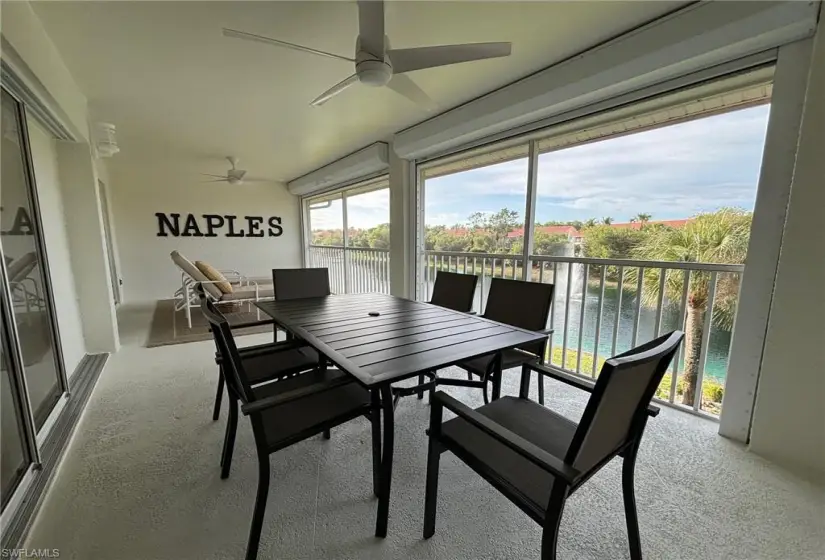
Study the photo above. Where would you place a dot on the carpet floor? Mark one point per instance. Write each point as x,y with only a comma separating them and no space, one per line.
140,481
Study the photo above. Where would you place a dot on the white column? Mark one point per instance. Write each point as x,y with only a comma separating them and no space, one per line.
87,246
402,227
789,416
776,175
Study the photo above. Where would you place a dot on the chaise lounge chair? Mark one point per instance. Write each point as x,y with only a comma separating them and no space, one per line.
222,286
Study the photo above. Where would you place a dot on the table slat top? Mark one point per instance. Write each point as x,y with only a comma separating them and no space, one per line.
406,338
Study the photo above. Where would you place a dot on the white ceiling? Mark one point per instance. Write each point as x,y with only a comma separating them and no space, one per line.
173,85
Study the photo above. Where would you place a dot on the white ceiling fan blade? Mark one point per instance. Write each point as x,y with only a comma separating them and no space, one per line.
334,90
371,27
235,34
212,175
407,60
409,89
224,180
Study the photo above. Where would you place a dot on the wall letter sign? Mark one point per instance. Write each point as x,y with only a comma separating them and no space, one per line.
211,225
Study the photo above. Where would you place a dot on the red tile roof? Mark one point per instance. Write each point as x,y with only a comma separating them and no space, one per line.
570,231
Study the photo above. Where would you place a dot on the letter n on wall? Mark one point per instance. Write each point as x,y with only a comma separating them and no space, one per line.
168,224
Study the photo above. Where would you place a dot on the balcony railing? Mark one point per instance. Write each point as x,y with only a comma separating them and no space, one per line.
353,270
603,307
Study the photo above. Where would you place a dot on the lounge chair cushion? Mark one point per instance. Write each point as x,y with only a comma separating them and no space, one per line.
248,292
186,265
214,274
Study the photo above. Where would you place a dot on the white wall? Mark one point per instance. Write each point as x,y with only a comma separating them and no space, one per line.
53,220
142,187
38,62
87,245
103,175
789,417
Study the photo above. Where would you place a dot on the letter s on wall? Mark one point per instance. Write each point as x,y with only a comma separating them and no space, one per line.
275,229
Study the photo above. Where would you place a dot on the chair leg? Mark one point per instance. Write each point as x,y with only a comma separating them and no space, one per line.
327,434
229,442
541,389
260,508
552,522
216,412
375,420
497,384
629,495
431,493
421,382
226,435
524,384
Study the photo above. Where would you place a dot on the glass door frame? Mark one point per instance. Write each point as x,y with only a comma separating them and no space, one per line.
40,242
18,387
33,439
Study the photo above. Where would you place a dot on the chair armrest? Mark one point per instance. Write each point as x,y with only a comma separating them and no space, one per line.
264,349
552,464
289,396
251,324
577,382
237,276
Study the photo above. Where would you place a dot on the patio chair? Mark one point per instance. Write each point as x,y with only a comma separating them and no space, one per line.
454,291
24,288
295,358
288,411
538,458
225,287
297,283
521,304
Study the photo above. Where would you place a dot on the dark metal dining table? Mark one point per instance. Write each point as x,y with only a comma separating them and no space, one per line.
380,339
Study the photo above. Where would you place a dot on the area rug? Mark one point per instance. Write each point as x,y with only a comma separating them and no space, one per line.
170,327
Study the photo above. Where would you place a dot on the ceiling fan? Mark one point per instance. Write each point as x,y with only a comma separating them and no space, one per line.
378,64
233,176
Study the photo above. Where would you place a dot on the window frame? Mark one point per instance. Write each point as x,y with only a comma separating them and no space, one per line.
342,193
748,87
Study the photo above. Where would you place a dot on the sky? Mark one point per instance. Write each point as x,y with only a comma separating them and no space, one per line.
670,172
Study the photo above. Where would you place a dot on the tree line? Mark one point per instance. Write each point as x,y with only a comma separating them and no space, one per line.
713,237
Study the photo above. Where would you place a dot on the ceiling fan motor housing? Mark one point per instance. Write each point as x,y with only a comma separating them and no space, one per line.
371,70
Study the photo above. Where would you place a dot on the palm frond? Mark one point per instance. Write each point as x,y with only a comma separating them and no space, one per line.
717,237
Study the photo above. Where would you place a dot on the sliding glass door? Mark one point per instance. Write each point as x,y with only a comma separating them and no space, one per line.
23,252
14,456
32,380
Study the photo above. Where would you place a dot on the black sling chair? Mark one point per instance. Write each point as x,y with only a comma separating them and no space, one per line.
538,458
287,411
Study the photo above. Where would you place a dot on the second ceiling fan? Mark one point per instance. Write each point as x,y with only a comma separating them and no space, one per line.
378,64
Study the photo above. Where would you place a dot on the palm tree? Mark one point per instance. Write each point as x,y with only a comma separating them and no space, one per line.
590,222
717,237
641,218
607,221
